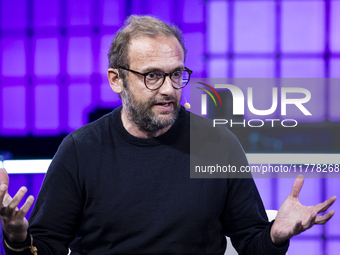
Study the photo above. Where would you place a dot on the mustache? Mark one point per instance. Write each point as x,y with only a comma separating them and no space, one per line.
163,99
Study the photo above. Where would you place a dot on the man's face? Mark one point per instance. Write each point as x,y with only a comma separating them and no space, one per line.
152,110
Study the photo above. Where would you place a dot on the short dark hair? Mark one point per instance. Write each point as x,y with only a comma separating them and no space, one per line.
136,26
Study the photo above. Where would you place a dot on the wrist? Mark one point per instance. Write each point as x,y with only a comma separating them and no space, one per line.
16,237
28,245
277,239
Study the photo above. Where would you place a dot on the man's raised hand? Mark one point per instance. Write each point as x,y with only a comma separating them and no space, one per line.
14,223
294,218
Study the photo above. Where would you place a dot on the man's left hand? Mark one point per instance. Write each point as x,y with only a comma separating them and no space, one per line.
294,218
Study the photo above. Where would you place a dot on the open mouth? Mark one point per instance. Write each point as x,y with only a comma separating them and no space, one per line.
163,104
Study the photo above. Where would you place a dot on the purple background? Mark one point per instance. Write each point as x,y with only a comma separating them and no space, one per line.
53,68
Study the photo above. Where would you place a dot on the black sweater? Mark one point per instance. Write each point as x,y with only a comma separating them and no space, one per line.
108,192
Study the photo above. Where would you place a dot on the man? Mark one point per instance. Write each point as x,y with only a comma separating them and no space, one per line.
121,185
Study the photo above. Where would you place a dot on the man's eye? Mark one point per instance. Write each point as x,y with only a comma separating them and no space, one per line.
153,76
177,74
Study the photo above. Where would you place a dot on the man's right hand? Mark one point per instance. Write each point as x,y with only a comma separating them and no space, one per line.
14,223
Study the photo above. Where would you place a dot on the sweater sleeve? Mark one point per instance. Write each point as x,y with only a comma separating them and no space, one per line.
244,218
18,246
57,210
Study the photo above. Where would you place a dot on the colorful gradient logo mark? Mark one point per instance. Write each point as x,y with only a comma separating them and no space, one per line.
204,97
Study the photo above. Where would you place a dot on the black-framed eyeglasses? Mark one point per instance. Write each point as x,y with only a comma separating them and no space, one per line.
155,79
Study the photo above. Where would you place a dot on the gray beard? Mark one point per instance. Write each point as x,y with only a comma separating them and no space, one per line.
143,117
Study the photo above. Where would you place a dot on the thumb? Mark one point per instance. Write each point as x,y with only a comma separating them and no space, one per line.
4,179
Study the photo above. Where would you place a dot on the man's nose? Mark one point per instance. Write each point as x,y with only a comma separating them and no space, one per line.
167,87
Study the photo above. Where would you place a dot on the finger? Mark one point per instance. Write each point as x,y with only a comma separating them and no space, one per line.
4,179
310,222
322,207
24,209
297,185
7,199
324,218
3,190
17,198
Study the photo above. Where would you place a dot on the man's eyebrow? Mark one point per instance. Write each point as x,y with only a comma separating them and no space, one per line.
153,69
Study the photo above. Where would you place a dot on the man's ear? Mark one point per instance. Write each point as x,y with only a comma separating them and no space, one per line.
115,81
